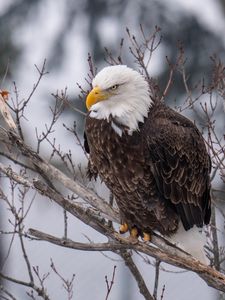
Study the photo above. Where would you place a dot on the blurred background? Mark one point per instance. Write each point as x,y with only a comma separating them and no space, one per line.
63,32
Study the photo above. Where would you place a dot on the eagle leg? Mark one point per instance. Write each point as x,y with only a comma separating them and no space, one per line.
123,228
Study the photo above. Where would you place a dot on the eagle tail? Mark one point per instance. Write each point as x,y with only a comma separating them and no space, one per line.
191,241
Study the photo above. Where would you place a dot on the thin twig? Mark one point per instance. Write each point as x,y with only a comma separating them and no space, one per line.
157,269
110,285
40,292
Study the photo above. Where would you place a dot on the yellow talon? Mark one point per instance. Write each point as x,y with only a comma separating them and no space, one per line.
146,237
123,228
134,233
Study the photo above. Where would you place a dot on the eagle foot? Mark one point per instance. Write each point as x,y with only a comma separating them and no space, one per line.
134,234
146,237
123,228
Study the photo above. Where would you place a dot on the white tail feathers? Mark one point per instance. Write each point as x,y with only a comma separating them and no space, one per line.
191,241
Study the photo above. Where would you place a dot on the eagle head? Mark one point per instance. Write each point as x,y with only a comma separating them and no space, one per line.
121,93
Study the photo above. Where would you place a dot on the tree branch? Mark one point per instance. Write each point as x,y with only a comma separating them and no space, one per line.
212,277
40,292
169,254
55,174
136,273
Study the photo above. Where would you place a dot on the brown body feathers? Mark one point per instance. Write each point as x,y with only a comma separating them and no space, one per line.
159,174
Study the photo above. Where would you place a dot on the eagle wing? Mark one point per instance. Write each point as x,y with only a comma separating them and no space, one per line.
181,166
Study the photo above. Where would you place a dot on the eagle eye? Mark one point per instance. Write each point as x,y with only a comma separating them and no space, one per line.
114,87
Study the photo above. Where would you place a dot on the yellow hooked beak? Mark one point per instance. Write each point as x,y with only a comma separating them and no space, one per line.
95,95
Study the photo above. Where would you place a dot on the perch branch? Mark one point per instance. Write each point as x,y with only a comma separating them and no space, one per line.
54,174
212,277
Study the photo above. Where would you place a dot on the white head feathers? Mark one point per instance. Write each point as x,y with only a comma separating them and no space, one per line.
128,99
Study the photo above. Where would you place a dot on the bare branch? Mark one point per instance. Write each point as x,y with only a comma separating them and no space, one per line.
110,285
40,292
55,174
4,290
157,269
208,274
126,255
162,294
67,284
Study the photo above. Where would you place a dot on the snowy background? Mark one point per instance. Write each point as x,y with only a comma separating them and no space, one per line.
64,32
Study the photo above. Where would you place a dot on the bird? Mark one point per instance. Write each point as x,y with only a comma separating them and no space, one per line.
153,159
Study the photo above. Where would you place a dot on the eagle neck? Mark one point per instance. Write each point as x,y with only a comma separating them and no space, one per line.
125,116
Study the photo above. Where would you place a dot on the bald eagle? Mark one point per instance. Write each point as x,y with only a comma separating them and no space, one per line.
151,158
